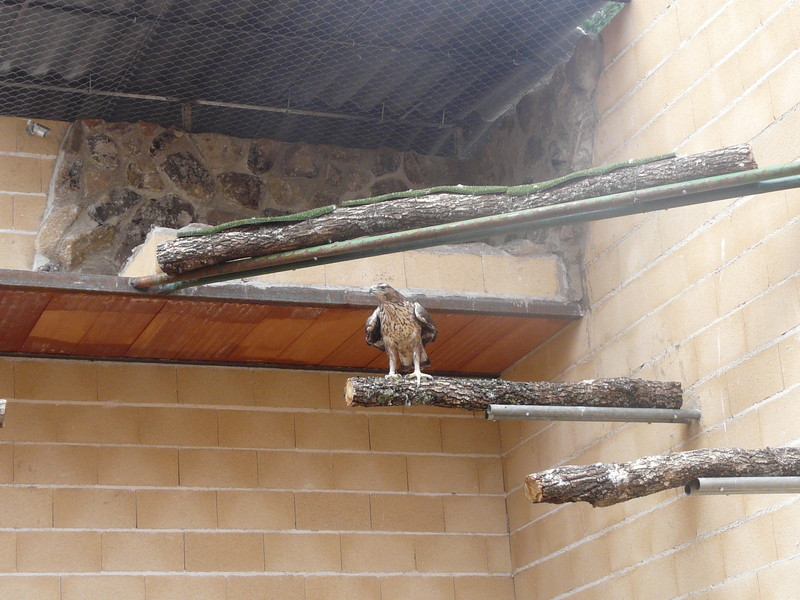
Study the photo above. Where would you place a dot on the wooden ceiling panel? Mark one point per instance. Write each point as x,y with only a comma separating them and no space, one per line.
221,334
71,315
63,323
19,312
282,326
124,316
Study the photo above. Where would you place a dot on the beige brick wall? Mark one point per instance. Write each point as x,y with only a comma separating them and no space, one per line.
708,295
26,166
153,482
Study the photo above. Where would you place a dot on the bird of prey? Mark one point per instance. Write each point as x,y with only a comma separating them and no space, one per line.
401,328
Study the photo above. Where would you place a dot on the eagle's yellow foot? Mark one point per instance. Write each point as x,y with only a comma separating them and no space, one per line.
392,376
418,375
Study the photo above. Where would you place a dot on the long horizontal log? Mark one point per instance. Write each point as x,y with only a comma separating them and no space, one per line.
477,394
189,253
604,484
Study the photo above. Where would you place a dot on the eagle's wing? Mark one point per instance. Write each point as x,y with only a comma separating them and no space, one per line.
429,331
373,330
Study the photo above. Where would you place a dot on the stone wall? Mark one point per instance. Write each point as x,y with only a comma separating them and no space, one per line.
114,182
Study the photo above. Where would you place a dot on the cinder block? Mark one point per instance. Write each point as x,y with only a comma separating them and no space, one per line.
55,464
783,93
291,389
757,378
655,579
460,511
218,468
748,546
94,424
232,386
137,466
154,384
181,587
22,174
31,588
783,521
286,587
331,431
771,315
6,211
94,508
142,551
66,381
176,509
119,587
332,511
402,587
255,509
8,552
58,551
329,587
295,470
479,588
302,552
713,92
445,474
779,246
378,553
398,512
439,271
26,507
498,554
365,272
661,38
789,350
28,211
748,117
251,429
450,553
520,275
777,580
730,26
177,426
32,422
470,436
526,546
226,551
370,472
402,433
6,463
767,47
32,144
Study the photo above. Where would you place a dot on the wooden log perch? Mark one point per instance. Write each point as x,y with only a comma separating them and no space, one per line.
2,411
189,253
604,484
477,394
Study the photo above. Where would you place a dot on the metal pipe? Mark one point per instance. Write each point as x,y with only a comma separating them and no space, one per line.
657,198
495,412
743,485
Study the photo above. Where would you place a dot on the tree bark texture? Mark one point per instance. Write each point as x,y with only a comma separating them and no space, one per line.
477,394
189,253
604,484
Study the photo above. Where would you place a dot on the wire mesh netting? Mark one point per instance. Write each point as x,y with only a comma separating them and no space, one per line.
410,74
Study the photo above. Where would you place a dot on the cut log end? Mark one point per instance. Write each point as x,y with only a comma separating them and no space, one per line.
2,411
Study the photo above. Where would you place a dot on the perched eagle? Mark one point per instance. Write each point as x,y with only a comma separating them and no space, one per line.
401,328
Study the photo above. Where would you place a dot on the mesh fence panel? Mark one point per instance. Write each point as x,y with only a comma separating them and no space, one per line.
408,74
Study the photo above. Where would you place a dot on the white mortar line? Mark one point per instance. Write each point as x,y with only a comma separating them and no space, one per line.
28,155
265,573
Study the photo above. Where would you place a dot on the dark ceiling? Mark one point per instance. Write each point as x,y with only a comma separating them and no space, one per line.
425,75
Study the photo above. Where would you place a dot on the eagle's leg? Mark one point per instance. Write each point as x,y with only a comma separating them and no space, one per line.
392,364
418,374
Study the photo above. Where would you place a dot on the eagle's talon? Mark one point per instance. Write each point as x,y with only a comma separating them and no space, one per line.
418,376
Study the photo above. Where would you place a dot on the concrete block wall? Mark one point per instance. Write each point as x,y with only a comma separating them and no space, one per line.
708,295
154,482
26,166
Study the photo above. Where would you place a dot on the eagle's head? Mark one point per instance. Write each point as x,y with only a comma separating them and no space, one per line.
384,292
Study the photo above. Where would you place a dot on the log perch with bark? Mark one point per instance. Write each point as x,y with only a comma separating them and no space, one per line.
478,394
604,484
190,253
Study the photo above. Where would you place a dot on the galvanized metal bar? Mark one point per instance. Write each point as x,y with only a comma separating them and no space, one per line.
756,181
743,485
496,412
